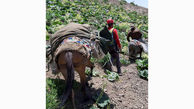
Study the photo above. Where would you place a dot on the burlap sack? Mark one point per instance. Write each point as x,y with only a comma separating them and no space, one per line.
83,31
72,29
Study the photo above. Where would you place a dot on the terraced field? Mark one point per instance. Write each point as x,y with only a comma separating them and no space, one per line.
107,90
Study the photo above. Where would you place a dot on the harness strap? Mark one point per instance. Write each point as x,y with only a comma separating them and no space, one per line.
113,40
111,31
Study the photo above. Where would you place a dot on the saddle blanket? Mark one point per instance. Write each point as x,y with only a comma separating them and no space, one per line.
136,42
83,42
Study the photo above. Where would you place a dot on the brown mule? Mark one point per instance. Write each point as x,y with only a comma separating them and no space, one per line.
68,62
70,57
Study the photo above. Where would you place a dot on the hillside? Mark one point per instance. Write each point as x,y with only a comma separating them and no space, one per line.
94,13
107,90
128,6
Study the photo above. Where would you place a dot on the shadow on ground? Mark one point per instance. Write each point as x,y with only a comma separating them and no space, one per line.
79,98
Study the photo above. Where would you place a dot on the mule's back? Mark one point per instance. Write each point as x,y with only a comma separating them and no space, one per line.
70,30
134,48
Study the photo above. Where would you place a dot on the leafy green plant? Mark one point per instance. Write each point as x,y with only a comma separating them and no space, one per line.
124,61
112,76
105,1
104,60
94,107
124,27
94,72
125,50
51,95
61,12
87,71
101,99
93,60
122,2
90,12
144,73
142,66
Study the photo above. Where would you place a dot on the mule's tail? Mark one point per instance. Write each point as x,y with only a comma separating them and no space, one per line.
70,77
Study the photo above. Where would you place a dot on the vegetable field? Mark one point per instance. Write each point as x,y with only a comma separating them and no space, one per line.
107,89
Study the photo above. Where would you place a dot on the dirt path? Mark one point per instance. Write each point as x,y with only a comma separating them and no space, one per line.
129,92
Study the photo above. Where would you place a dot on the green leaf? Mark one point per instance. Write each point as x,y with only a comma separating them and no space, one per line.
104,101
94,107
144,73
95,73
87,71
124,61
112,76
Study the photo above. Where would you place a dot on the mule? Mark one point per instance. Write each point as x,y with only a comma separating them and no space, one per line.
70,61
136,47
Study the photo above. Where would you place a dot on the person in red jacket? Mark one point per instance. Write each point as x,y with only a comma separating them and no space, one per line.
117,46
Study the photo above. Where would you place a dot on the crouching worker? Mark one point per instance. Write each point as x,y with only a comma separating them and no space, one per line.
135,33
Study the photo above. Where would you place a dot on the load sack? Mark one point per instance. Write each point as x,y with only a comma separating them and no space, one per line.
72,29
68,38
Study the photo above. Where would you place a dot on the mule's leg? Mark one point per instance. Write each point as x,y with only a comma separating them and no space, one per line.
131,54
64,73
63,70
67,69
81,71
91,68
141,52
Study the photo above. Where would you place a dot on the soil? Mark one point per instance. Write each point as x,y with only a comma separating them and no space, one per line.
129,92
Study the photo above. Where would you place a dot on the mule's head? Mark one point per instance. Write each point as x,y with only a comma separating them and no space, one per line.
96,50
